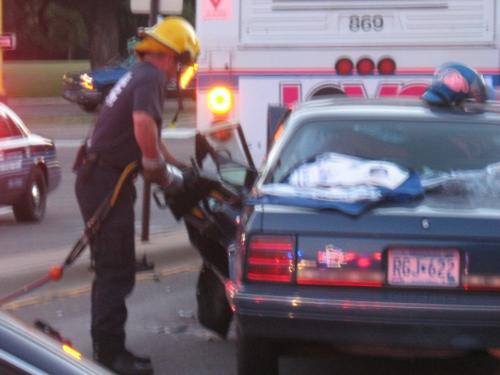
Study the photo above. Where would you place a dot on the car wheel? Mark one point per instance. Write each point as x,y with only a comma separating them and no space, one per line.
31,205
89,107
256,356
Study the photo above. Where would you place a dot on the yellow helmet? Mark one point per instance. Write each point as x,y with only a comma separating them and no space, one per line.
173,32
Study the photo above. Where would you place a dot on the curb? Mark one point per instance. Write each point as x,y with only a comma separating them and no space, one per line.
51,100
171,254
175,133
78,291
59,100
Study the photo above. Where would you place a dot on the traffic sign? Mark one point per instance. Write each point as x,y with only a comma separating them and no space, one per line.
164,6
7,41
217,9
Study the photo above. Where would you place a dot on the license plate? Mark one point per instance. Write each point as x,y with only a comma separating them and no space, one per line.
423,267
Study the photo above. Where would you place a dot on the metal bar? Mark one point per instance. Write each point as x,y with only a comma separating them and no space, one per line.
146,211
349,5
246,150
146,199
3,95
154,11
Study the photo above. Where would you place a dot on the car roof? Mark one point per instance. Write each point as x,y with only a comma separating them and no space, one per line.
383,108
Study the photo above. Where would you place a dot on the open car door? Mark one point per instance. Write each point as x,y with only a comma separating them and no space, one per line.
223,173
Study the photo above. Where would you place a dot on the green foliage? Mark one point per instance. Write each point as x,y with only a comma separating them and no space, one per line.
38,79
45,30
66,30
59,29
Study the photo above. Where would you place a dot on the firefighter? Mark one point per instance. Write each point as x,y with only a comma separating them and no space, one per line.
127,129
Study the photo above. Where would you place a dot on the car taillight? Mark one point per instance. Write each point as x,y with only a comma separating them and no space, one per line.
344,66
365,66
386,66
482,283
271,258
220,101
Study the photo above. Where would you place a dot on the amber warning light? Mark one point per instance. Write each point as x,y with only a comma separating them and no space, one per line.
220,100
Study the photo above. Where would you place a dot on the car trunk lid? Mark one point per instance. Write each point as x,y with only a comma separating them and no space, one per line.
418,246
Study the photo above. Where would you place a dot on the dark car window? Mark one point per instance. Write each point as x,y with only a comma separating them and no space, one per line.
8,128
419,146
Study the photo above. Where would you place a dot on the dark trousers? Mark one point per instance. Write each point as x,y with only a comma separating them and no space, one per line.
114,255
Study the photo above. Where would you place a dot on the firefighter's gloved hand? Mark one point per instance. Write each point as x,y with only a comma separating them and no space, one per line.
175,180
168,177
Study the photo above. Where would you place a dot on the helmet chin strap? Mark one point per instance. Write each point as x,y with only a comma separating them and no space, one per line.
180,105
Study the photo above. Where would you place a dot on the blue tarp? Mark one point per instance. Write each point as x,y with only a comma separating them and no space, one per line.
407,191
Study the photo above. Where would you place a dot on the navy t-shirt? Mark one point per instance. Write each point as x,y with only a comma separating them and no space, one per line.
141,89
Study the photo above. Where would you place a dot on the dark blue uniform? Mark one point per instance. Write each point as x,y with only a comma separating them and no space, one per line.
113,146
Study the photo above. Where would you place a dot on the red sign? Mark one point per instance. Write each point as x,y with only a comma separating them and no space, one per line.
215,3
290,94
217,10
386,89
7,41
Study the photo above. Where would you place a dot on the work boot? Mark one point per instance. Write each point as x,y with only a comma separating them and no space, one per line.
126,363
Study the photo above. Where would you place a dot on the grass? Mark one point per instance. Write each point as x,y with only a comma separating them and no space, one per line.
38,78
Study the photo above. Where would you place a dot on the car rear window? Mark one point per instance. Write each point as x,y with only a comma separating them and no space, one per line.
424,147
8,128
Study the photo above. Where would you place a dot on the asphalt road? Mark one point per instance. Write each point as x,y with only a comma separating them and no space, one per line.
162,323
63,224
162,317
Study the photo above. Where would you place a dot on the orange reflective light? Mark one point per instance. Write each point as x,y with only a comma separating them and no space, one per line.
187,76
279,132
87,82
72,352
220,100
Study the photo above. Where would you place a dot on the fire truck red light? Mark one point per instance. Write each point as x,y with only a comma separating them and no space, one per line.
344,67
386,66
365,66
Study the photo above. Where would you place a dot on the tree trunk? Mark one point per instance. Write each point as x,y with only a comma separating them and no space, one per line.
104,33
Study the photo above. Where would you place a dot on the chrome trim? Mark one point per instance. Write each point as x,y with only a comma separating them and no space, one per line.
331,5
20,364
362,305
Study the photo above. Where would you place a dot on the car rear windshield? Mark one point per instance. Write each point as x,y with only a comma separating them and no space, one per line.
430,149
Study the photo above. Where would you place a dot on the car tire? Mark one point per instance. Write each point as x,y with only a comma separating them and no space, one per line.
256,356
31,205
89,107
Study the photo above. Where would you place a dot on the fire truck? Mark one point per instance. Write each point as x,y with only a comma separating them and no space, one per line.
262,53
